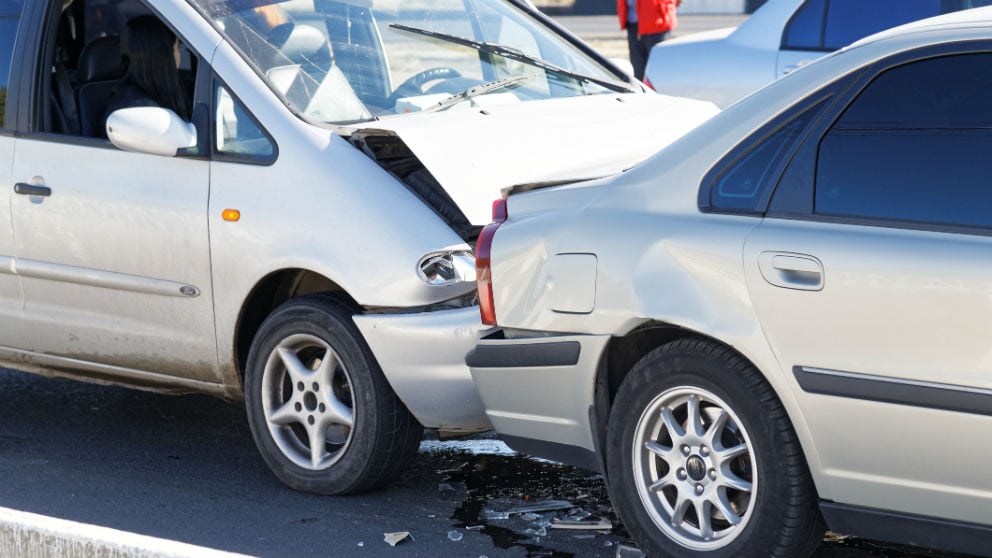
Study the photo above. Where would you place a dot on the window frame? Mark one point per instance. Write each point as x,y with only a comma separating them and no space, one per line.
796,200
827,95
211,124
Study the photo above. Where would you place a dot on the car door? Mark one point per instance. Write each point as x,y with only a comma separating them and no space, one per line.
10,289
873,285
112,250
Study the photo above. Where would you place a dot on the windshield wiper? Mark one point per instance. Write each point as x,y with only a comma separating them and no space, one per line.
516,55
479,90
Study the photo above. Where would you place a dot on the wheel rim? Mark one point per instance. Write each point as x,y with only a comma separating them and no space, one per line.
307,401
695,469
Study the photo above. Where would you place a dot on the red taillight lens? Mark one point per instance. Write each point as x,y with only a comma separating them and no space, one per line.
648,83
483,266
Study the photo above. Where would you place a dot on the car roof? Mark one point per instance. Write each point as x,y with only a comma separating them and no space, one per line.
964,19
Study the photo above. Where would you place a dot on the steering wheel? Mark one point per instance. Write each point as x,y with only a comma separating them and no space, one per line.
413,86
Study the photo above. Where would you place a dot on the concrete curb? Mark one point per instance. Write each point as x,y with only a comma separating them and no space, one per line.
28,535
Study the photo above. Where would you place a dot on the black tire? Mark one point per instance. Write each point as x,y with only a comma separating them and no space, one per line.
764,482
369,436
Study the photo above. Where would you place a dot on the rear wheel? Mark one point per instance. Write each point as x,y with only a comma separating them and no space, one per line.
704,462
322,414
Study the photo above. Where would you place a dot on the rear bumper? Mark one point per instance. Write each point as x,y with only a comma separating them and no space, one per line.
540,389
423,357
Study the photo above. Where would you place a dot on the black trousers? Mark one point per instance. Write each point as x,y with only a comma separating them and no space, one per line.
640,47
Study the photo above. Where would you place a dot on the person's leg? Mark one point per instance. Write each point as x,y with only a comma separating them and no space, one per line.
645,42
638,56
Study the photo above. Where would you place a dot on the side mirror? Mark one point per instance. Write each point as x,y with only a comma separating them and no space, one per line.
152,130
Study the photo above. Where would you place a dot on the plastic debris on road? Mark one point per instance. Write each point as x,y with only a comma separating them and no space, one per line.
592,524
454,536
628,551
396,538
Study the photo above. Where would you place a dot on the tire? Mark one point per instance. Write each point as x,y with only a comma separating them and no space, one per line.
740,471
298,400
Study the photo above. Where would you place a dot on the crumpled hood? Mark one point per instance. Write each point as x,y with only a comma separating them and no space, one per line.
474,153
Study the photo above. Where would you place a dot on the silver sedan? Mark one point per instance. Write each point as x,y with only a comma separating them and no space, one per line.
778,324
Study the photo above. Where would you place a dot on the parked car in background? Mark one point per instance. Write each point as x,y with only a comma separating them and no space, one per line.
780,321
724,65
305,240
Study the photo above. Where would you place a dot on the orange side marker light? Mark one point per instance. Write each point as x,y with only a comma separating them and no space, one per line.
232,215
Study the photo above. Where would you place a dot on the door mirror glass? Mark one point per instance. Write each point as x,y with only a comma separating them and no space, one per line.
152,130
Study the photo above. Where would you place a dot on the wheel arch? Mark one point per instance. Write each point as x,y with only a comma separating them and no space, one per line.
268,294
623,352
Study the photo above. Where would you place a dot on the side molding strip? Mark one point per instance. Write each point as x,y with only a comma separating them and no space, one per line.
931,395
95,278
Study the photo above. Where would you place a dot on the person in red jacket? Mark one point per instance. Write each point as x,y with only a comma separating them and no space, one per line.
648,22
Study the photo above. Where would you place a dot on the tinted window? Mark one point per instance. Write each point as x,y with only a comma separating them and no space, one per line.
913,146
805,29
10,14
850,20
747,183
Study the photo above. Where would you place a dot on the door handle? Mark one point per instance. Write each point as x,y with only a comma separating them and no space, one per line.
25,189
791,271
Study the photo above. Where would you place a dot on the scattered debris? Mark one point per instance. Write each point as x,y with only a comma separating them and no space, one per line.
454,536
396,538
628,551
529,516
591,524
542,506
832,537
361,544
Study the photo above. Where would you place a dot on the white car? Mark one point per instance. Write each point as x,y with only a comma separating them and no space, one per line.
780,321
305,241
724,65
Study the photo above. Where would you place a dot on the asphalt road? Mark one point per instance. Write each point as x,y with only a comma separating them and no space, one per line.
185,468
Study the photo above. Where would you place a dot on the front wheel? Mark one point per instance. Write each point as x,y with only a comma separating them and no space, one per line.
704,462
322,414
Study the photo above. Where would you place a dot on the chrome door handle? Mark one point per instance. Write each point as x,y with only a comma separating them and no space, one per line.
25,189
791,271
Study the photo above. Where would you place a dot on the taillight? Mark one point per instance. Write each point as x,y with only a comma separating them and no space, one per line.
648,83
483,266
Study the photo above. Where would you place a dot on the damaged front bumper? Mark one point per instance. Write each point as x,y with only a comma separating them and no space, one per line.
423,357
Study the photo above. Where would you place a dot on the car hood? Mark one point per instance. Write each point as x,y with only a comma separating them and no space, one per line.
476,152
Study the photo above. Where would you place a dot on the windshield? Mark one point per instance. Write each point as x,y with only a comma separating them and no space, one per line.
345,61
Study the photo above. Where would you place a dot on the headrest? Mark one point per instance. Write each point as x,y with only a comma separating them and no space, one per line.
101,60
299,43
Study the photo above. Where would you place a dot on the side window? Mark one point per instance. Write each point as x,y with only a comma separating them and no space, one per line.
106,58
912,146
10,15
745,179
850,20
805,30
238,136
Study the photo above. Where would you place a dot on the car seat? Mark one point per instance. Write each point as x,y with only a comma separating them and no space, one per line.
101,70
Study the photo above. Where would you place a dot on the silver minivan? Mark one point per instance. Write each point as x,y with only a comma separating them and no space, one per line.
304,239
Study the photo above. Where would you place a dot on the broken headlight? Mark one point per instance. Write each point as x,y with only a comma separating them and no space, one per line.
439,269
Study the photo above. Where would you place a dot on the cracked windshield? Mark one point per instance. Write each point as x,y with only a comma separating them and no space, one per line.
352,61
